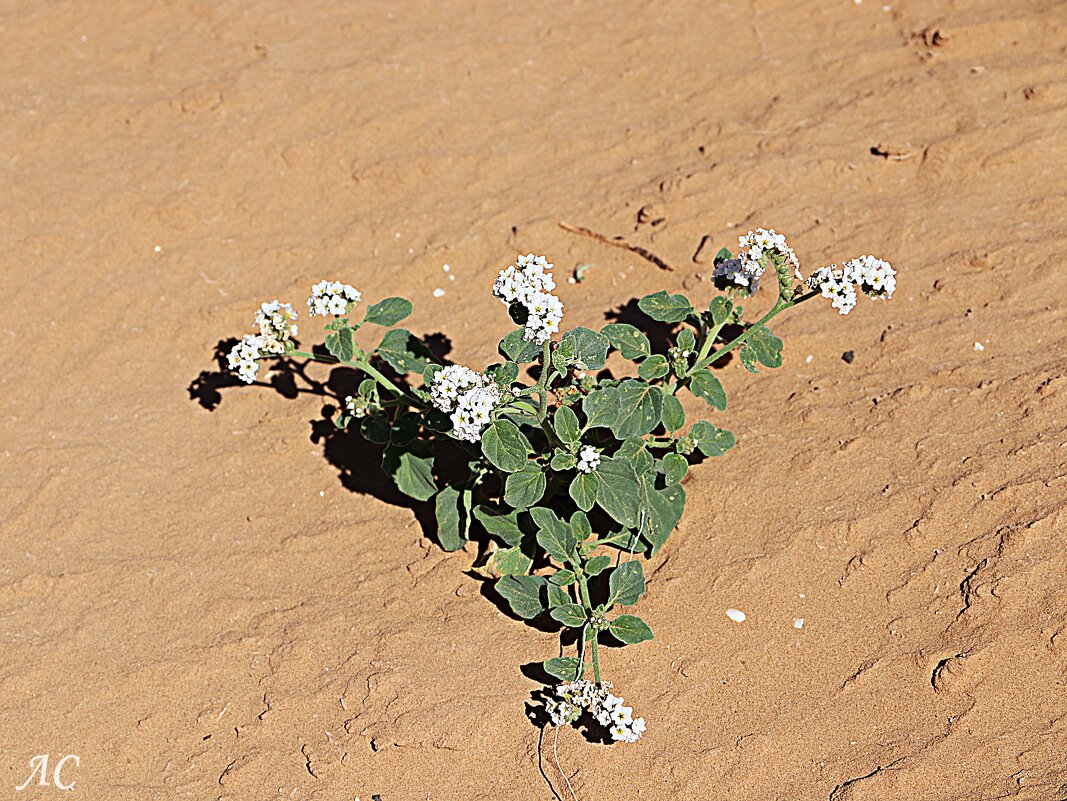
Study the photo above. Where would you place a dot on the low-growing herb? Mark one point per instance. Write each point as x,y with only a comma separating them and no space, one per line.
575,477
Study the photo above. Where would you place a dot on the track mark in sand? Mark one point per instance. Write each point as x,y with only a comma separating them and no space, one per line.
307,761
943,670
617,242
863,668
842,791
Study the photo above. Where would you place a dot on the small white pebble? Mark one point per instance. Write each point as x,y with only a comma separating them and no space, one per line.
979,346
438,293
802,595
808,358
446,268
451,278
572,280
158,248
322,493
736,615
798,622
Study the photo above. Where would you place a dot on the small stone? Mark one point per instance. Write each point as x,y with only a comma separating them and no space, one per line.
979,346
798,622
438,293
736,615
848,356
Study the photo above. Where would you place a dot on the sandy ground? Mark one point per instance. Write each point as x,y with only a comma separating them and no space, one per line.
200,605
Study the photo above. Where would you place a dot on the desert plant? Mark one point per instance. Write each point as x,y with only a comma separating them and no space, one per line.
573,471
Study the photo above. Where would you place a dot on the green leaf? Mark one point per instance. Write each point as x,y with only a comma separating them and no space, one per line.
634,451
583,490
654,367
505,446
673,414
562,460
626,584
503,526
724,254
687,340
411,469
403,352
597,565
590,349
524,488
675,467
662,510
562,578
627,340
405,428
516,349
764,347
618,490
523,594
640,407
710,440
666,308
580,526
571,615
557,596
564,668
630,629
601,407
388,312
339,344
375,428
509,562
504,374
704,385
720,308
553,534
450,524
565,422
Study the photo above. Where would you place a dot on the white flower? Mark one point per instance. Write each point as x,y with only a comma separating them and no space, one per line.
759,248
588,459
873,276
242,358
277,325
607,709
529,284
470,397
358,406
332,297
452,381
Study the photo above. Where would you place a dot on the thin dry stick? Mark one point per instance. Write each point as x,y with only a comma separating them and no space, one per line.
555,756
617,242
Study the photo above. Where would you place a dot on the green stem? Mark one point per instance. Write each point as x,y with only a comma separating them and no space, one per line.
542,382
365,366
583,586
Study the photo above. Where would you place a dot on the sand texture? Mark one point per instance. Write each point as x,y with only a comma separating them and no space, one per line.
206,596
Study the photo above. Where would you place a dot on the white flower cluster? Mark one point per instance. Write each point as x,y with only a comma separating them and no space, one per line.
358,406
242,358
332,297
529,283
469,396
874,277
588,459
277,325
756,247
607,709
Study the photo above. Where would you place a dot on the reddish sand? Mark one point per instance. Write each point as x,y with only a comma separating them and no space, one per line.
198,605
